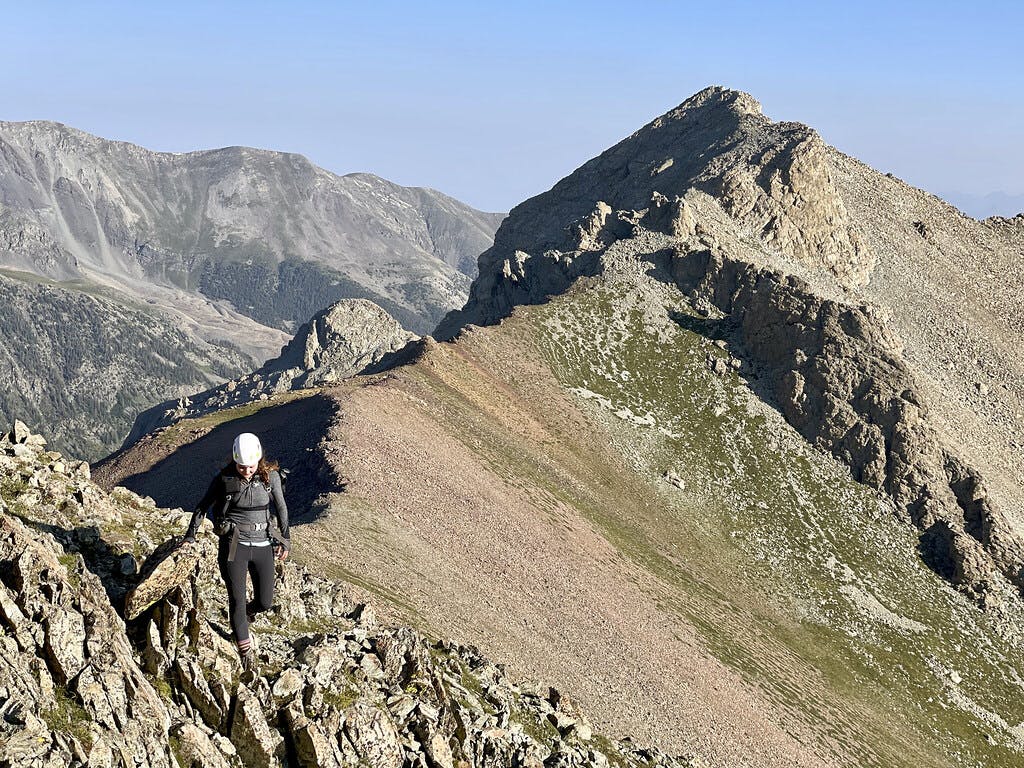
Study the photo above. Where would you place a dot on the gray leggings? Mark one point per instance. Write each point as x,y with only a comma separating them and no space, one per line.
258,561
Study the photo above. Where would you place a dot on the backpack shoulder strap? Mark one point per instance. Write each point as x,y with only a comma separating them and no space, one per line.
232,485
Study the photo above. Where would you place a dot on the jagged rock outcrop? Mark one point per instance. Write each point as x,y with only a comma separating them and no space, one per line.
347,338
72,691
772,178
80,686
786,194
836,372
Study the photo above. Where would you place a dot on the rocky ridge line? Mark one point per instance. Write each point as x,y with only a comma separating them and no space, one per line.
160,684
346,338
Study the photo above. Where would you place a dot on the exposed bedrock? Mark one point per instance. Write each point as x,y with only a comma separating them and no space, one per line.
756,214
835,372
772,178
348,337
833,369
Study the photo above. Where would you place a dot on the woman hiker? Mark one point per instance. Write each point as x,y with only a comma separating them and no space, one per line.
241,497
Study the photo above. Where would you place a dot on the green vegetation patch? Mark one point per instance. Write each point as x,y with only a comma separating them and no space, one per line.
186,429
68,716
796,576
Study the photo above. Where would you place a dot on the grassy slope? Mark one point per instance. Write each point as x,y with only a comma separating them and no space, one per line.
792,574
785,570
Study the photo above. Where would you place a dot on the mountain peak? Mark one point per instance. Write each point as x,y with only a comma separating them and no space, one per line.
716,97
772,178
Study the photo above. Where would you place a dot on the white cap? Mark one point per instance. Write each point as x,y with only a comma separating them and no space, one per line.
247,449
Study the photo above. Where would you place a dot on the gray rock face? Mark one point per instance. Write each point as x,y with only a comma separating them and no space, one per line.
836,371
270,232
82,687
771,178
72,688
339,342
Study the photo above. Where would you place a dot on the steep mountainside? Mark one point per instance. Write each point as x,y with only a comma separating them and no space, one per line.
780,230
84,363
268,231
953,290
229,250
577,492
948,287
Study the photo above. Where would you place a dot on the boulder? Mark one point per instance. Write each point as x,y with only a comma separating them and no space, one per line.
168,572
257,743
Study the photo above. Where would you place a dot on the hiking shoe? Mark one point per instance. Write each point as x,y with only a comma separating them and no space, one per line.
250,667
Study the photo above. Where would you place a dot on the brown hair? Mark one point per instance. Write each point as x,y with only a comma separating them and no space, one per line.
263,469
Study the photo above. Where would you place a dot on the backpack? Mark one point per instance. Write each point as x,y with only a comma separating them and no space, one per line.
232,487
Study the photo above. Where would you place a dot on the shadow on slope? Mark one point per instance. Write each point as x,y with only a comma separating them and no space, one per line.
290,433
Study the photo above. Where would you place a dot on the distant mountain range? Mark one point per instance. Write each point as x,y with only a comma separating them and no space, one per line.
231,249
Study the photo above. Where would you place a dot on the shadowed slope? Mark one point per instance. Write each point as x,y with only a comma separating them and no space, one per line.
174,467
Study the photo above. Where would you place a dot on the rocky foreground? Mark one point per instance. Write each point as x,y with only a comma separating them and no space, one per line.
108,663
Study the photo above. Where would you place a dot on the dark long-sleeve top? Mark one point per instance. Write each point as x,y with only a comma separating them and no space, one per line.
249,506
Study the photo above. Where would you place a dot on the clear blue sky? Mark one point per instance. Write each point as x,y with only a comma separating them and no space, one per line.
492,103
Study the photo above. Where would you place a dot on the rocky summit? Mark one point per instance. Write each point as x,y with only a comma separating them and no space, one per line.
349,337
116,652
832,282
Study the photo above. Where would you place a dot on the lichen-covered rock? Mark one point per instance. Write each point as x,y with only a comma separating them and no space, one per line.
170,572
91,682
193,748
374,735
257,743
313,749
